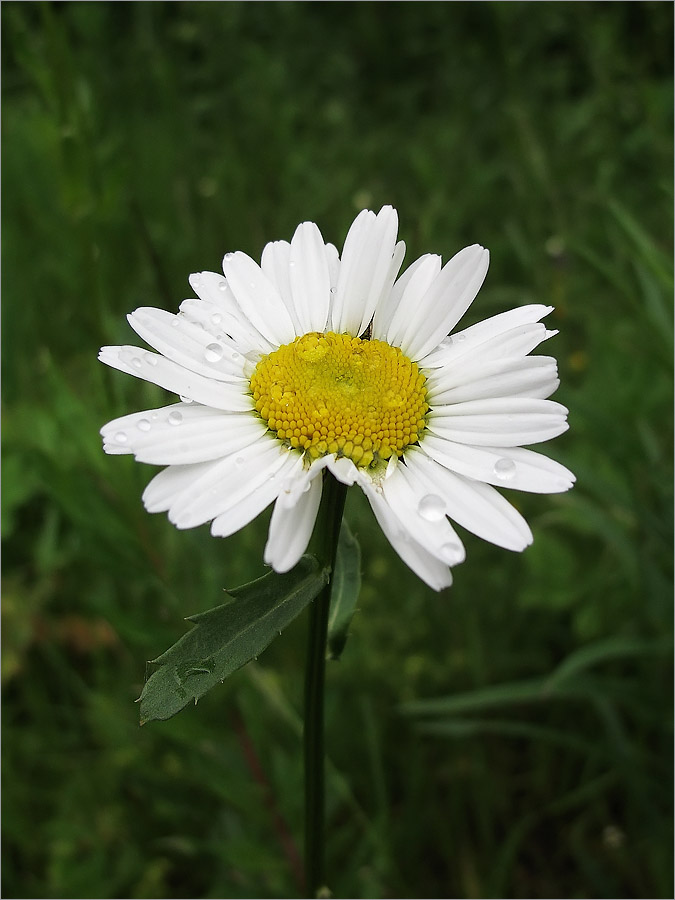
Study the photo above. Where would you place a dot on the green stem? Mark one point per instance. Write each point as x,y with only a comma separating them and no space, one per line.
326,533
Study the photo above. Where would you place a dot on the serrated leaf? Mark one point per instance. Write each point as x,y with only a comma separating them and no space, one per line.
227,637
346,586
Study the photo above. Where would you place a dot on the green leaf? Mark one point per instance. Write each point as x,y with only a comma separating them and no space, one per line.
498,695
345,591
467,728
606,650
227,637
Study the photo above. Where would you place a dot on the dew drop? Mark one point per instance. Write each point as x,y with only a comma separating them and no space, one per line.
235,355
121,437
460,338
216,318
251,284
227,257
151,359
213,353
136,363
431,507
222,285
505,468
292,264
143,425
185,399
175,417
306,487
451,552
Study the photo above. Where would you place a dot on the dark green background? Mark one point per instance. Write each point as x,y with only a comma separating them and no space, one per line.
141,142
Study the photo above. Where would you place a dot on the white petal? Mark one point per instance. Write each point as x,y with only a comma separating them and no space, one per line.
426,566
274,263
258,299
394,268
495,327
445,302
259,495
393,316
223,310
473,505
291,527
333,260
169,484
232,481
531,376
302,480
181,434
412,503
157,369
187,344
173,377
365,269
310,278
343,469
499,421
511,467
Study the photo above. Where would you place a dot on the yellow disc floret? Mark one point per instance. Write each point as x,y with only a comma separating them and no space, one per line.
332,393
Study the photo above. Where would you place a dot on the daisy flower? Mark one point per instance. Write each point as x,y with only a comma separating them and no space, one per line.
314,360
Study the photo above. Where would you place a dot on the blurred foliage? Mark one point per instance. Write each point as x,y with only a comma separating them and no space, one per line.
141,142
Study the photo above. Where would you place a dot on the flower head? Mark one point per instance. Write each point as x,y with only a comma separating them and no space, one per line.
312,360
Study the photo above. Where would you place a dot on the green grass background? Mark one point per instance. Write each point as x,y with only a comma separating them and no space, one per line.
141,142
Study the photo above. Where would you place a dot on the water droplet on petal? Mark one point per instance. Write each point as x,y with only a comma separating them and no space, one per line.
143,425
251,284
136,363
505,468
121,437
451,552
216,318
213,353
175,417
151,359
431,507
460,338
306,487
227,257
222,285
185,399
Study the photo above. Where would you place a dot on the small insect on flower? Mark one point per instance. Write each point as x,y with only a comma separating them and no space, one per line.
314,360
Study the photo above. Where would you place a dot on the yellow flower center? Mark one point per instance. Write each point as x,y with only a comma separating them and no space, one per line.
332,393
